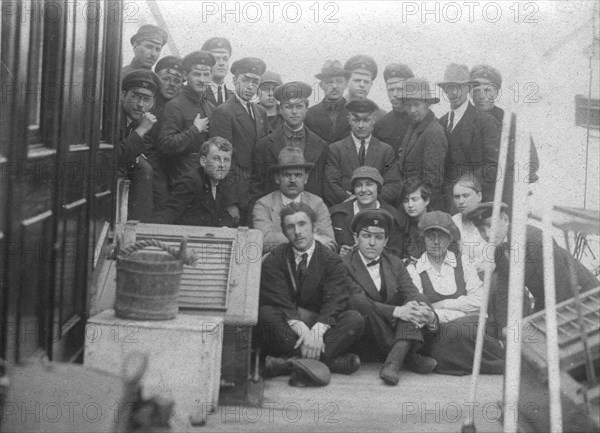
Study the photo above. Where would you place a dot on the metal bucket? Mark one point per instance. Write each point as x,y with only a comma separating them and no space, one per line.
148,282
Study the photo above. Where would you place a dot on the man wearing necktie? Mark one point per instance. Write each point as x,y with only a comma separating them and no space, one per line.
360,148
303,294
396,314
220,48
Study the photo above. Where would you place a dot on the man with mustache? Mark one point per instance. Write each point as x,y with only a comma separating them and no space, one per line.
363,71
220,48
147,44
291,174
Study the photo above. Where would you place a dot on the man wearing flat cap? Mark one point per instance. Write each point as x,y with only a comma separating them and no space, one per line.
291,174
183,125
147,44
220,48
358,149
329,119
396,315
243,123
363,71
293,102
424,148
392,127
534,264
473,137
266,98
139,90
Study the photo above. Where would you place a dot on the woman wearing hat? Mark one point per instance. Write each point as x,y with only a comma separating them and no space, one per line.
454,289
423,150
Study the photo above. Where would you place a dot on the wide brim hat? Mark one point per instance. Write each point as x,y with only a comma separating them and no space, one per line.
309,372
418,89
332,68
457,74
292,157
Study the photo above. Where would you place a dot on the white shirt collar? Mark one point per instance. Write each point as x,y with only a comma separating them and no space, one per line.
423,264
310,252
356,209
357,141
286,200
459,113
365,260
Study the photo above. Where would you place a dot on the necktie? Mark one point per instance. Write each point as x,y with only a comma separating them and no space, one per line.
450,122
361,153
220,95
301,269
249,106
374,262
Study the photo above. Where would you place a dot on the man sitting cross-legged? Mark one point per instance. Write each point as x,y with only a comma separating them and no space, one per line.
396,314
303,300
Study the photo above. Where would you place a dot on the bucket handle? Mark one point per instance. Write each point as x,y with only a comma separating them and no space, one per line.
181,254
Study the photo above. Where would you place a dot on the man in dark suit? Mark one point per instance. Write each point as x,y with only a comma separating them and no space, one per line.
293,103
329,119
303,297
396,314
243,123
217,91
473,136
147,44
358,149
363,71
392,127
266,95
197,198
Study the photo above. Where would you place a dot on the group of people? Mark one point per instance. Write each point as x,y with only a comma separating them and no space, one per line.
362,258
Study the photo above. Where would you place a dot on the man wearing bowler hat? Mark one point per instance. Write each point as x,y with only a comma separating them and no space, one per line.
293,102
147,44
220,48
473,136
243,123
392,127
358,149
266,98
424,147
363,71
329,119
291,174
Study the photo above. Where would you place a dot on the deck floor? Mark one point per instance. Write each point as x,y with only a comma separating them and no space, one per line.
362,403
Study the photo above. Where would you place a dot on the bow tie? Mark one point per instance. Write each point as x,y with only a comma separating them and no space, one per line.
374,262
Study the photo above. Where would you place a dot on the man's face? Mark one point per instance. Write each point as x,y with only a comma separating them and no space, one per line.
294,112
436,242
365,191
417,110
485,228
146,52
299,230
217,163
485,95
334,87
172,83
414,205
199,78
291,181
246,85
137,101
394,91
371,241
361,124
265,94
359,85
457,94
465,198
221,64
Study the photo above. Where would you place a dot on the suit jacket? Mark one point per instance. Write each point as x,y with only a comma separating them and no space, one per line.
324,290
423,154
392,128
317,120
213,99
473,144
266,218
341,217
266,157
231,121
399,285
131,144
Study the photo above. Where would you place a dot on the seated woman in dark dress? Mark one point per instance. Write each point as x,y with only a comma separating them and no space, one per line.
454,289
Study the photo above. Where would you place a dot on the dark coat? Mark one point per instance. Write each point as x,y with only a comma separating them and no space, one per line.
213,100
131,145
266,156
178,139
341,217
324,290
317,120
343,160
423,154
231,121
392,128
191,202
399,285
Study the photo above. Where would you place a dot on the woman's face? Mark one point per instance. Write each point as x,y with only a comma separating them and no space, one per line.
465,198
414,205
436,242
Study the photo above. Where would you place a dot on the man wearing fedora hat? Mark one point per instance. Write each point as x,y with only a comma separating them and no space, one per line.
217,91
363,71
358,149
291,175
293,102
147,44
424,147
328,119
392,127
266,98
473,136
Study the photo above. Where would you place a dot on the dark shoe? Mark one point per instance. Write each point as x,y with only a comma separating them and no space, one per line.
390,373
277,366
344,364
420,364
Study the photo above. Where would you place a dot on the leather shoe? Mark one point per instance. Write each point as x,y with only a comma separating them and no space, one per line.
277,366
390,373
420,364
344,364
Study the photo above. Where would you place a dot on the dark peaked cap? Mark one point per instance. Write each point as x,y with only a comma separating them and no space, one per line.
292,90
198,58
151,33
372,218
215,44
362,61
141,78
247,65
361,106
